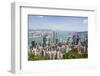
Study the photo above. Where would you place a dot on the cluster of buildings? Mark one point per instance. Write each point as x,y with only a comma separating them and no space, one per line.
54,48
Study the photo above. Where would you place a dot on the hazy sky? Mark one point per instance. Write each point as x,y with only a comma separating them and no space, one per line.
64,23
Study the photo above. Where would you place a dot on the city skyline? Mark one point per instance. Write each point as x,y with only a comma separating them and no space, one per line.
57,37
63,23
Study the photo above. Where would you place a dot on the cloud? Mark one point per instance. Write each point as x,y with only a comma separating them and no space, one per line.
40,16
57,27
85,21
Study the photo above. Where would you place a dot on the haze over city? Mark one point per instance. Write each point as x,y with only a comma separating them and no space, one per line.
63,23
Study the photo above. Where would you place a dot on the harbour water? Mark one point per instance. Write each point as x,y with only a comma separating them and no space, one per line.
62,36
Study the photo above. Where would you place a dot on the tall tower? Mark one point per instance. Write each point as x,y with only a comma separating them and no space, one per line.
54,36
44,40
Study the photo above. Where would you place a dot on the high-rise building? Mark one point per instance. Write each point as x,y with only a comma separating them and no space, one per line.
44,40
54,36
33,43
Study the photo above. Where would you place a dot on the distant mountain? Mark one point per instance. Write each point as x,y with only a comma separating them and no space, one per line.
85,32
82,32
40,30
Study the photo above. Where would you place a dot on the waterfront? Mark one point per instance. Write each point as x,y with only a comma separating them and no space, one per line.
44,45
